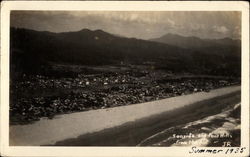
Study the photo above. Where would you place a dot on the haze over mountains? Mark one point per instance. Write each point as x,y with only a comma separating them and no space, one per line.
196,42
34,51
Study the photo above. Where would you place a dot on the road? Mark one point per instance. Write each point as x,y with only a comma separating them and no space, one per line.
125,125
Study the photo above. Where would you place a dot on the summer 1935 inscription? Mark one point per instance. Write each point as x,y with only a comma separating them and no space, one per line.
234,150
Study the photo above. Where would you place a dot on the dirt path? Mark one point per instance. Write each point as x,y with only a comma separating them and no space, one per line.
68,126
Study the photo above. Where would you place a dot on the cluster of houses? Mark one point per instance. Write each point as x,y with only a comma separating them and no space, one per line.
101,91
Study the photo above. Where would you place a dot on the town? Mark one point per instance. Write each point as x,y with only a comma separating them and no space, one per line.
43,96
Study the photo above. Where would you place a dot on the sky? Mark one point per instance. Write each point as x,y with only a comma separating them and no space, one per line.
137,24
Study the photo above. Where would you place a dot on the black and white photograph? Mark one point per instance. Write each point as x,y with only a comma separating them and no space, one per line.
103,78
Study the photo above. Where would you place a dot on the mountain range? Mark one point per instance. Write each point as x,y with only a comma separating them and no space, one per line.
196,42
35,51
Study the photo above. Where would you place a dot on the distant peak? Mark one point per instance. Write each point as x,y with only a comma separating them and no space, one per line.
180,36
85,30
226,38
98,30
171,34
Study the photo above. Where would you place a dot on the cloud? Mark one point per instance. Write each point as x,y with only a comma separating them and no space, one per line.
138,24
220,29
171,22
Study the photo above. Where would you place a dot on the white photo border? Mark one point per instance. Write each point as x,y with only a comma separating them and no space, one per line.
8,6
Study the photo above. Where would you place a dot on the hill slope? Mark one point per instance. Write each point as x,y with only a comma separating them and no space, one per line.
34,52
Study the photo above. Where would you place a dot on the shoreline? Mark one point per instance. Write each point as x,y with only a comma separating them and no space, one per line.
133,133
48,132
